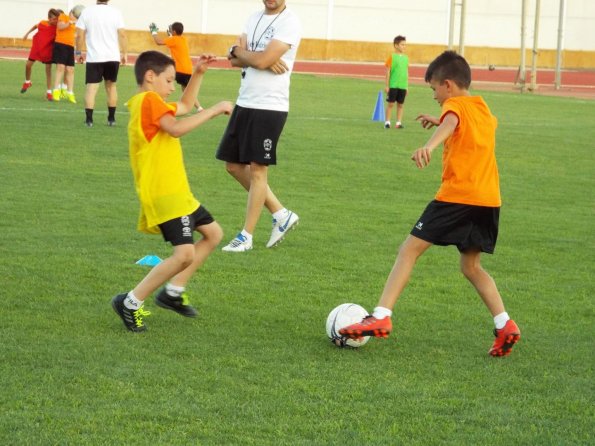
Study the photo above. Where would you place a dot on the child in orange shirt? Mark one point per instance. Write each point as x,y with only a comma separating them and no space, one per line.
41,49
466,209
64,55
168,206
178,46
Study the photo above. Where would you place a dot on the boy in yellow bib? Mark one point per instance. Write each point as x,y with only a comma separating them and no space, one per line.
167,204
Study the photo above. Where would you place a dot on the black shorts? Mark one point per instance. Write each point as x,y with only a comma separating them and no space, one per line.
183,79
179,230
252,136
462,225
396,95
95,72
63,54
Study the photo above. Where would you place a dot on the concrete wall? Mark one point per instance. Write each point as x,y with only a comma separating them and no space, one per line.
354,30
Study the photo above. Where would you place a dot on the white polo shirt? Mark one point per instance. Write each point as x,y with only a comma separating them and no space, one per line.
101,24
263,89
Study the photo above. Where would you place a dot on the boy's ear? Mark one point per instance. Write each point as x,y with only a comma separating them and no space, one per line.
149,76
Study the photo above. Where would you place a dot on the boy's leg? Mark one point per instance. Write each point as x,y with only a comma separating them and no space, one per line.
507,332
57,93
69,80
182,257
482,281
129,306
379,324
400,107
211,237
48,76
28,68
388,112
173,295
27,83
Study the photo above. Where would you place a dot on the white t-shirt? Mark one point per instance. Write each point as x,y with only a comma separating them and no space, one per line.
263,89
101,24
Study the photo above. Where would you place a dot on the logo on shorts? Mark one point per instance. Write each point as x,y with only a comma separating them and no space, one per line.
268,145
419,225
186,230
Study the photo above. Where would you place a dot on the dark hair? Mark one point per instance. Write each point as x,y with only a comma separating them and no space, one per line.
53,13
450,65
151,60
399,39
177,27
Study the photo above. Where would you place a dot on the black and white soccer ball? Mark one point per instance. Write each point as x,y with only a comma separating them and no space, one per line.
342,316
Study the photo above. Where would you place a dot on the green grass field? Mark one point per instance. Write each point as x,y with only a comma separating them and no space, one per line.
256,367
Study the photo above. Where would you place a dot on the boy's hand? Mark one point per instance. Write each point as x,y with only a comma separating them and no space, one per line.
223,107
422,157
202,65
428,121
153,28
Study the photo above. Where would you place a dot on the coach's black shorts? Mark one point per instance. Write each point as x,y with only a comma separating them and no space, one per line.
396,95
179,230
462,225
183,79
251,136
97,71
63,54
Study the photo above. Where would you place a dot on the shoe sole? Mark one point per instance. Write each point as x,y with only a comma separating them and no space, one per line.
169,307
235,250
377,333
506,348
290,228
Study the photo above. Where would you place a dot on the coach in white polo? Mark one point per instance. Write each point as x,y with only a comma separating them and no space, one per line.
266,52
101,27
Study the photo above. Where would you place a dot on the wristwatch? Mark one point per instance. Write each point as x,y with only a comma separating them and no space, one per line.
231,50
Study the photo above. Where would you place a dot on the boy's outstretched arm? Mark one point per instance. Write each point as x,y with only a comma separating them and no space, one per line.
179,127
186,102
423,155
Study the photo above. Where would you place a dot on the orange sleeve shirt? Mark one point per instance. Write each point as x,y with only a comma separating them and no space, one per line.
469,169
157,164
178,46
65,36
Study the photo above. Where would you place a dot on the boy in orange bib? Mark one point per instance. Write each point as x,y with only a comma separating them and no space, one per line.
466,209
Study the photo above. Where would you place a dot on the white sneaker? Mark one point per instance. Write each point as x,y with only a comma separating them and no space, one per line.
280,228
238,244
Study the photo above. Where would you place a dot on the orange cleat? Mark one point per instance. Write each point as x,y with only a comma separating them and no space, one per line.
505,339
369,326
26,86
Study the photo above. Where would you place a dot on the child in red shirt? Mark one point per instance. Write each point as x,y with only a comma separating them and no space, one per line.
41,50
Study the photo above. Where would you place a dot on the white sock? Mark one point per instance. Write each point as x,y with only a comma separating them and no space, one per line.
27,81
70,92
381,312
174,290
398,123
49,91
386,122
281,215
500,320
247,235
131,302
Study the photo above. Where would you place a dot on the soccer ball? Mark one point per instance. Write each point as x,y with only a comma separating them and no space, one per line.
342,316
76,11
